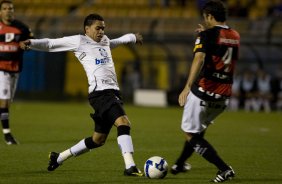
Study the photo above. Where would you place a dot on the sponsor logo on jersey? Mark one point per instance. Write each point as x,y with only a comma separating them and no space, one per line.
209,93
8,48
198,40
82,55
9,37
199,46
103,52
229,41
102,61
108,81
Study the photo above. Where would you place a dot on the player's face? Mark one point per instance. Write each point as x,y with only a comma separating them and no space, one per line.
7,12
96,30
208,20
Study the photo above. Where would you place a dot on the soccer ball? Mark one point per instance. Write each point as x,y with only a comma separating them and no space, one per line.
155,167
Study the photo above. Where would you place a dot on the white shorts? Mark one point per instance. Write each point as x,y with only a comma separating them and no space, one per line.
199,114
8,85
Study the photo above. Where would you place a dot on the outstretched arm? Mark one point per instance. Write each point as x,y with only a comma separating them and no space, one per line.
51,45
127,38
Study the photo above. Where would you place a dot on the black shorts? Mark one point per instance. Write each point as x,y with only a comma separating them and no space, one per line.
108,107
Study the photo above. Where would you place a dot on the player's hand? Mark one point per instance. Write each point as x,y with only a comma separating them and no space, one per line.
200,28
183,96
25,45
139,38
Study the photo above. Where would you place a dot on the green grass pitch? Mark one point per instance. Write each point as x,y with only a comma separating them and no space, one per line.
250,142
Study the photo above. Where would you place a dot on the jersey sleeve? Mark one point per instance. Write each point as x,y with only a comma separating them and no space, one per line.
200,43
69,43
127,38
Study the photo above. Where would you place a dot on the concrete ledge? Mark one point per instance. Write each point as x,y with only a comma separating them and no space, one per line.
148,97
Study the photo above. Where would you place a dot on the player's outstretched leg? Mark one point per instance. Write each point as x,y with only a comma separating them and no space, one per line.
56,159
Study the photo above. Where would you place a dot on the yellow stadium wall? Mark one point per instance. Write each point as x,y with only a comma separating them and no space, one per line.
75,80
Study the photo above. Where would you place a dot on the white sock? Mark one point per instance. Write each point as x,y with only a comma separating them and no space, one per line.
75,150
64,156
6,131
126,147
79,148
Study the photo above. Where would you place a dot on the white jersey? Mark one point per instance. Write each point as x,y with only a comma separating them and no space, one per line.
95,57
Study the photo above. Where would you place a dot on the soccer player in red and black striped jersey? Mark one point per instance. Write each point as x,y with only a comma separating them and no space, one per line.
11,33
208,87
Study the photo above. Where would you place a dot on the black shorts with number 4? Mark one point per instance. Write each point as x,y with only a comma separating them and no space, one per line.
108,107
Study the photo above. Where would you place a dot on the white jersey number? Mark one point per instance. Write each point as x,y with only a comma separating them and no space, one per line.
227,58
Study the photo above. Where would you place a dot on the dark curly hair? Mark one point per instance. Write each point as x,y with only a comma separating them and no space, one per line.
90,19
217,9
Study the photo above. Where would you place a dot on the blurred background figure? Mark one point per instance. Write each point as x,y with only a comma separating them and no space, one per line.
249,91
130,79
278,89
234,101
264,94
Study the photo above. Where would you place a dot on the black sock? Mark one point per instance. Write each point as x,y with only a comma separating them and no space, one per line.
123,130
4,116
90,144
202,147
185,154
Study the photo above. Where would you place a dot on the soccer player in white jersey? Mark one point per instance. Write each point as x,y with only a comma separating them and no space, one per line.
93,50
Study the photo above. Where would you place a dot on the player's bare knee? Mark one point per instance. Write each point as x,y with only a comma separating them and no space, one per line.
189,136
122,120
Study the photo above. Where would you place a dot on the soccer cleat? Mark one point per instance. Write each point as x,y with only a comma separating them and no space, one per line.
53,164
175,169
222,176
133,171
9,139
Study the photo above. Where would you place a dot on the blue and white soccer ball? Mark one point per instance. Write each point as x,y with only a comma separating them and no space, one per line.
155,167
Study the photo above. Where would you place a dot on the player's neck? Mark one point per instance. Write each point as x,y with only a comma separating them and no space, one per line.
216,23
7,22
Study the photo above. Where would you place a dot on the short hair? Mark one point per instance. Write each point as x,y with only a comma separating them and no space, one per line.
5,1
217,9
90,19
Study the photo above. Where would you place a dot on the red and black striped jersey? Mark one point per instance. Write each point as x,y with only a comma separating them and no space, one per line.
11,55
221,46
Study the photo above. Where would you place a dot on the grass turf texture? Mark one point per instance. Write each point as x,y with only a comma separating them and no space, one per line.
250,142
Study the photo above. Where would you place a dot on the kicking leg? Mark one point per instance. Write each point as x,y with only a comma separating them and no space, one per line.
83,146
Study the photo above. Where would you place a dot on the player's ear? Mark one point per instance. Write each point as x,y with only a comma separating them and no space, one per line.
86,29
